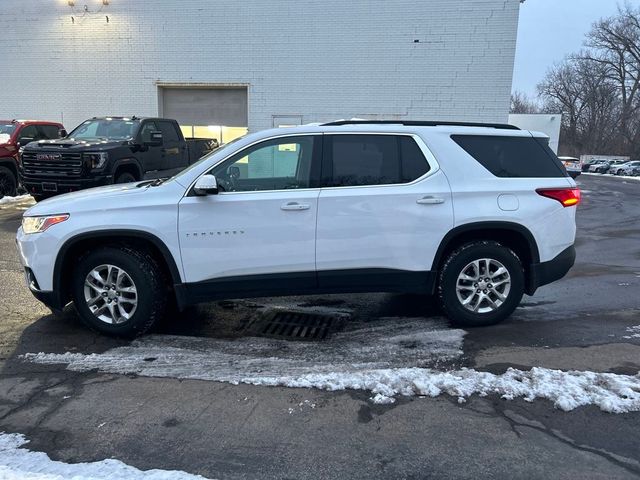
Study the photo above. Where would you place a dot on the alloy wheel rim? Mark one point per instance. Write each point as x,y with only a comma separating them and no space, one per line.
483,285
110,294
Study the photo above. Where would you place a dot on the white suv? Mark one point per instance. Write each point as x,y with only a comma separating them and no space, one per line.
476,213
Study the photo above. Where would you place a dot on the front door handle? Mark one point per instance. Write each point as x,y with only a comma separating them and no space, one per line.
295,206
430,201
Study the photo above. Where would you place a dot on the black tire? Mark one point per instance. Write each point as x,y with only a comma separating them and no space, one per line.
39,198
146,274
455,264
125,177
8,183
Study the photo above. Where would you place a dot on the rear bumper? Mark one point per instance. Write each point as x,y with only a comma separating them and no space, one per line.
547,272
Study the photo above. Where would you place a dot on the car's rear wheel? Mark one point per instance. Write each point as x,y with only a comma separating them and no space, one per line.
481,283
8,183
119,291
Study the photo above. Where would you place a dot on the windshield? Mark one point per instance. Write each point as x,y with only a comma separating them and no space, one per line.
224,148
111,129
6,129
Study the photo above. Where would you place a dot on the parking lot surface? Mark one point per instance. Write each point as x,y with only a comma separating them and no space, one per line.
197,395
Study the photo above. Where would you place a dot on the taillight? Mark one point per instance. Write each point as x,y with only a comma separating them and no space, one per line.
568,197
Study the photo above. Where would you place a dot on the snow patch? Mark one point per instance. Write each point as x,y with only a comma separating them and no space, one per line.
388,343
21,464
634,332
20,198
381,360
625,177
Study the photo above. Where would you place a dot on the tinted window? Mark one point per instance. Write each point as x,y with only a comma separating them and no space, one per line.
512,156
374,160
169,133
279,164
414,165
49,132
29,131
145,131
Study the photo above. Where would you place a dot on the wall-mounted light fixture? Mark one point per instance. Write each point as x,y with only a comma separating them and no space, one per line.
80,14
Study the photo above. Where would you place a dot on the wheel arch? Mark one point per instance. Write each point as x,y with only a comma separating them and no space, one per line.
512,235
83,242
128,164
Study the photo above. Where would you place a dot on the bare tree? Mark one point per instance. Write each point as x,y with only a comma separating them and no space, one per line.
598,89
614,44
521,103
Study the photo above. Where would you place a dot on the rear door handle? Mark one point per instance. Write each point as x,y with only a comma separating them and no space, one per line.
430,201
295,206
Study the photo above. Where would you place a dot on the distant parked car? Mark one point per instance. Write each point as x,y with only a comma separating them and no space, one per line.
573,166
615,164
628,168
15,134
599,167
586,164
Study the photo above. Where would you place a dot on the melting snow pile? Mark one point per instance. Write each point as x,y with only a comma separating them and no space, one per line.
21,464
383,360
20,198
567,390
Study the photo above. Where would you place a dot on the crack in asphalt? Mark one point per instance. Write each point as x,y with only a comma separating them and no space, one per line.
500,411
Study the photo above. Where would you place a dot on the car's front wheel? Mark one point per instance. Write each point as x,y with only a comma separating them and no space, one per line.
119,291
8,183
481,283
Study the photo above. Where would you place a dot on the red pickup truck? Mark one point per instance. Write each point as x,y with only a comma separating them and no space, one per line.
15,134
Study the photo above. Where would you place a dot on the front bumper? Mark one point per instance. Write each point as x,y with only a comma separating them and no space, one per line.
34,185
51,299
547,272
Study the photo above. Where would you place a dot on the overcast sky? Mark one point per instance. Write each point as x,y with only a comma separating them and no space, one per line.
551,29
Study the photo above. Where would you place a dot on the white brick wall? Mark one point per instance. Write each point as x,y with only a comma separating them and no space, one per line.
321,59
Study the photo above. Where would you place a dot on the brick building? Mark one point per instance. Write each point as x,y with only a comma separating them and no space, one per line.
222,66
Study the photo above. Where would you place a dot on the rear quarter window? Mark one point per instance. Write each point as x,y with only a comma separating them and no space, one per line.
513,157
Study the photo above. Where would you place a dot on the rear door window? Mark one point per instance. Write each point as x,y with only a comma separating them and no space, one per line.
513,157
358,160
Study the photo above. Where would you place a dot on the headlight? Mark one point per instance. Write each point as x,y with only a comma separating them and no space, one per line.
40,224
96,160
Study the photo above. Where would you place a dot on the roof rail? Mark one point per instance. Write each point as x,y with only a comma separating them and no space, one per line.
417,123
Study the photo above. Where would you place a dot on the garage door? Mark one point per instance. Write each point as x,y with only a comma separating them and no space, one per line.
219,113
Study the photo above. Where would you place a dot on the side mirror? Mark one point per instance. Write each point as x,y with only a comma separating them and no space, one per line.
206,185
62,133
24,140
155,139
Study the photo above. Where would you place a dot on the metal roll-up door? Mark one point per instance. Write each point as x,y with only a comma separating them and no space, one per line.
205,106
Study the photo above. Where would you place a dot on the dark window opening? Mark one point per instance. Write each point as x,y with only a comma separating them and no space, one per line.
358,160
513,157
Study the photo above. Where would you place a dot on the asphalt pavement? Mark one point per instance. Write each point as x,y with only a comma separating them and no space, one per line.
222,430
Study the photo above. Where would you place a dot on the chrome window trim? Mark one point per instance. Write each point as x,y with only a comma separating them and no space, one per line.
428,155
426,151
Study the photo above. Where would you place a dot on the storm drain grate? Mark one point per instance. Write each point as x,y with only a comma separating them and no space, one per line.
299,325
